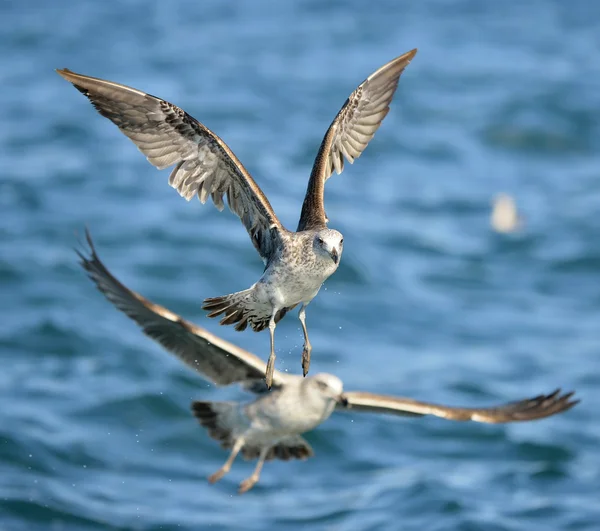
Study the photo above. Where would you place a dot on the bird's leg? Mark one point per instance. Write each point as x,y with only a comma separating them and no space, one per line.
227,466
271,362
307,346
248,483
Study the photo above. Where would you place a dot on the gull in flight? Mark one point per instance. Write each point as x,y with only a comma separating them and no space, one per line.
296,263
271,426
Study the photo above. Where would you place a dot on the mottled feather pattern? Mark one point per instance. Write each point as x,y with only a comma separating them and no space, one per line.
207,171
297,268
204,165
350,133
242,309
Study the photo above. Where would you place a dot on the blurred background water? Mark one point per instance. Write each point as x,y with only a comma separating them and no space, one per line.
95,430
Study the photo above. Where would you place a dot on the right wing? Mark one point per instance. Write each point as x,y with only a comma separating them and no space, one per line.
350,133
204,165
529,409
214,358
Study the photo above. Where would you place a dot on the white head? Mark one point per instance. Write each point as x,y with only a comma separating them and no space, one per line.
329,243
319,396
327,387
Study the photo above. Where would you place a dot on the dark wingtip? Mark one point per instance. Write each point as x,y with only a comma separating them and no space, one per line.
566,399
88,257
556,402
82,251
90,242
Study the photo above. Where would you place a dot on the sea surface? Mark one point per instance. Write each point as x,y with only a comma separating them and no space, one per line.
429,302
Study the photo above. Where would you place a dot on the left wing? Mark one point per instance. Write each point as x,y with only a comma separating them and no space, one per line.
215,359
204,164
529,409
349,134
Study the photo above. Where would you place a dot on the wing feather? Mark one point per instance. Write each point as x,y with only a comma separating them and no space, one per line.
523,410
350,132
205,166
216,360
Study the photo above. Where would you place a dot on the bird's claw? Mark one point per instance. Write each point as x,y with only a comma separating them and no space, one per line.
213,478
247,484
269,372
306,359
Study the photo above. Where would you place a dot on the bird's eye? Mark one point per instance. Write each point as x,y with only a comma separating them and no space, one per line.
322,386
320,240
341,241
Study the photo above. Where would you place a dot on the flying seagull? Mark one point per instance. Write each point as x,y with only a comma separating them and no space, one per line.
296,263
270,427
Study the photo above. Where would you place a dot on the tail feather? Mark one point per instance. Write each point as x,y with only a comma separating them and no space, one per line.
294,447
242,309
235,316
236,309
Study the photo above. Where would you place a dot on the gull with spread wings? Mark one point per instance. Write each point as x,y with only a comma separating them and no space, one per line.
271,426
296,263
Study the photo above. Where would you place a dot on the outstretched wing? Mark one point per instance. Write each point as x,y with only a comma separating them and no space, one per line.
214,358
349,134
529,409
204,165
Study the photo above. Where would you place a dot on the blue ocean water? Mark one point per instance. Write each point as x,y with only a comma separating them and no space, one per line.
95,430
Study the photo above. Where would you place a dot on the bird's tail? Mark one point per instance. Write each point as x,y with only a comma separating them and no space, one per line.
242,309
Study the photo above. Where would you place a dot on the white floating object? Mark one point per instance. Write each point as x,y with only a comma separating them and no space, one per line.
505,217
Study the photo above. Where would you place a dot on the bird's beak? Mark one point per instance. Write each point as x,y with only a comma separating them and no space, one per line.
335,255
342,401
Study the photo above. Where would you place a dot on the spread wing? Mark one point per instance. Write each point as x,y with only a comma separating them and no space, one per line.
529,409
204,165
217,360
349,134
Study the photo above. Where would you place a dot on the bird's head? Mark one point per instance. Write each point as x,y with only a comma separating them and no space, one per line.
327,386
329,242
